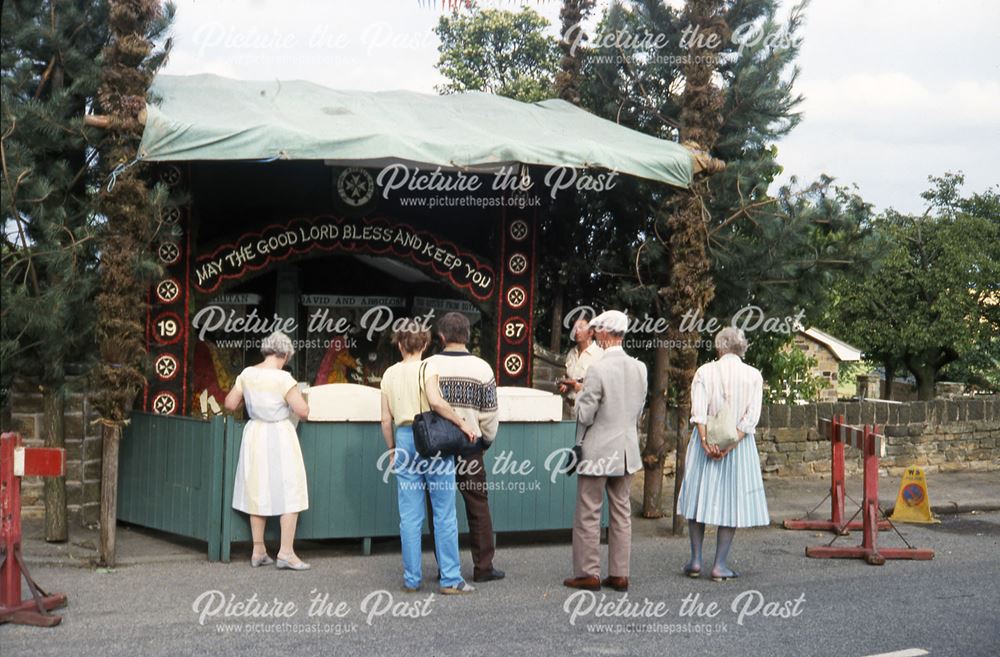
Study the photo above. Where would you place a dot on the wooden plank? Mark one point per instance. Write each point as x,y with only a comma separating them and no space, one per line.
39,461
853,436
163,462
233,435
216,479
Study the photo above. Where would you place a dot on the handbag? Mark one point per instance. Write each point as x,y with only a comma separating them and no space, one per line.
721,427
435,436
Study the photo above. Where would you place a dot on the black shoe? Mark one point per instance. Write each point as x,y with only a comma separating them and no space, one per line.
491,576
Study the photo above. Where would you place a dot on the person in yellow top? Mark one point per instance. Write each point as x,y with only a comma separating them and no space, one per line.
402,399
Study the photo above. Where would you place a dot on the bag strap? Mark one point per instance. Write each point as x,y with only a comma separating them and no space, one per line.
722,382
423,394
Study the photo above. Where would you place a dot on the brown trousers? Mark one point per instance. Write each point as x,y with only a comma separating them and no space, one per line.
471,480
587,526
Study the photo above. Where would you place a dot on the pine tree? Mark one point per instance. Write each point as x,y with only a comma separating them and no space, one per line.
560,226
131,59
713,250
50,76
572,15
672,97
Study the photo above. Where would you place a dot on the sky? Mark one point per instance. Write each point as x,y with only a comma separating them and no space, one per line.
895,90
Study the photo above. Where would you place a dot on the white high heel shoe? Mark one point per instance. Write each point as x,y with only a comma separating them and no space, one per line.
281,564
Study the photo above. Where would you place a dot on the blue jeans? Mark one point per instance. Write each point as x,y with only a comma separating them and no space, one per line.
414,475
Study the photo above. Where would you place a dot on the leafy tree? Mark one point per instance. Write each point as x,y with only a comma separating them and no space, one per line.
496,51
50,62
933,301
789,375
510,54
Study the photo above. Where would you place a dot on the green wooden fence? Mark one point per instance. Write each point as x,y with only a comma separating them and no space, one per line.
170,476
347,498
176,475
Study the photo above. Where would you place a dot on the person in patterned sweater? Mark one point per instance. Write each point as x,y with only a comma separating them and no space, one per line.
467,383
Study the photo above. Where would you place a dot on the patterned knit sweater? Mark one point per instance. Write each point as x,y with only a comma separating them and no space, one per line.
468,384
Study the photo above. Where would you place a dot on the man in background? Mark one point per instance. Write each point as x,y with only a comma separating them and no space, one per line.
467,383
607,417
584,353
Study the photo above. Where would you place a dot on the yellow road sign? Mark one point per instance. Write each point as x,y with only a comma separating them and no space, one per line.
913,503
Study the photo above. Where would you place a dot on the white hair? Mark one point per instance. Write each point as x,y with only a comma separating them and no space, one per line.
277,344
731,340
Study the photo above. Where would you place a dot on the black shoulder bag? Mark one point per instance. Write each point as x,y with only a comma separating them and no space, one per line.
435,436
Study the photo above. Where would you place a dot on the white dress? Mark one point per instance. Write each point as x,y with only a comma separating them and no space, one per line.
728,492
270,474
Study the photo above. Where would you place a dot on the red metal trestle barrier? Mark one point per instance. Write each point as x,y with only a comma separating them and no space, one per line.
837,494
872,446
15,462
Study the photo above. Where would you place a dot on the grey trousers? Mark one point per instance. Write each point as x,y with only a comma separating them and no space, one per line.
587,526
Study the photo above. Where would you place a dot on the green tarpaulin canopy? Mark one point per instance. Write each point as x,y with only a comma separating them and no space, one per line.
207,117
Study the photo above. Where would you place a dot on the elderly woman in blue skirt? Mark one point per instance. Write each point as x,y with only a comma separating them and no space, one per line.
723,487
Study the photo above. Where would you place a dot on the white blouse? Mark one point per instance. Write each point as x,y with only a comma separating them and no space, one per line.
729,374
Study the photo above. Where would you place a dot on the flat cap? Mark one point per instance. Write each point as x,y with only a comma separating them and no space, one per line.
613,321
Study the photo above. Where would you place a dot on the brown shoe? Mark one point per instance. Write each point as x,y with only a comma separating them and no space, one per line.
616,583
585,583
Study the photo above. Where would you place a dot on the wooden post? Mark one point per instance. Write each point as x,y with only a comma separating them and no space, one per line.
54,435
837,476
111,434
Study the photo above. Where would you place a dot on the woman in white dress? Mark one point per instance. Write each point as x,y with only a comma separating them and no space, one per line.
723,487
270,474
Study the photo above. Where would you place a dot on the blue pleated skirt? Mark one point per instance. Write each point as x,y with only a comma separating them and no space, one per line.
727,492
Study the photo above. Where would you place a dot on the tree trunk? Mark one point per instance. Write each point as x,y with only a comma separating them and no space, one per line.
925,377
555,340
890,376
130,62
677,522
111,435
691,287
656,437
684,363
567,81
54,435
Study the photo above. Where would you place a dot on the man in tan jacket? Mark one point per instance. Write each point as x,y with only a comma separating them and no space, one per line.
607,415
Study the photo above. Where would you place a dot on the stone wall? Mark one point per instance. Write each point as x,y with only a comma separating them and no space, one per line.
83,449
940,435
546,367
